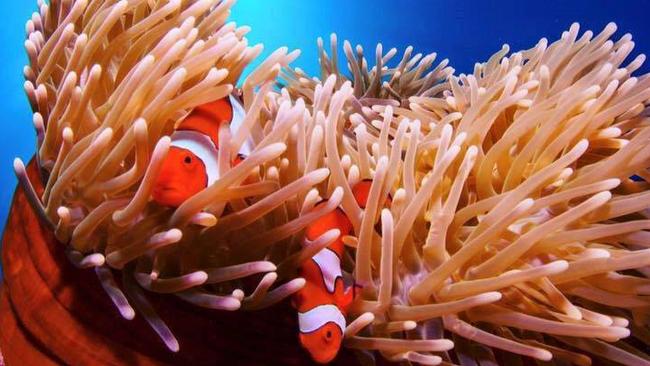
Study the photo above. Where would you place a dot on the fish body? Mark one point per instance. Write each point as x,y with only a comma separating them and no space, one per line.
192,164
324,301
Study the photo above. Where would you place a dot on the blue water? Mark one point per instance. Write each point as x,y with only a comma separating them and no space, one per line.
463,31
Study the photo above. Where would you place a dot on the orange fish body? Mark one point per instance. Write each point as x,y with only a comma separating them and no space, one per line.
192,163
324,301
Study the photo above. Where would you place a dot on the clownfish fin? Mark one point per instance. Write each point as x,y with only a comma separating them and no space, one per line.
347,297
356,289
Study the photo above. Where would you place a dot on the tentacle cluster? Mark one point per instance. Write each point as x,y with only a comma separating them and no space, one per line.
514,222
108,81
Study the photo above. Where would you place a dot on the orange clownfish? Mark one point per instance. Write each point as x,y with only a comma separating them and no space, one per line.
323,302
192,163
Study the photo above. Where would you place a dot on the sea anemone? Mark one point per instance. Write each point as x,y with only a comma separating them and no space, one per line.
501,219
108,82
514,224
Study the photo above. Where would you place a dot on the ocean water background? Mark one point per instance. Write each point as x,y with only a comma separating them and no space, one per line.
465,32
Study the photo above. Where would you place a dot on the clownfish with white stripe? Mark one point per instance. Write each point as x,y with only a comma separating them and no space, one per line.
192,161
323,302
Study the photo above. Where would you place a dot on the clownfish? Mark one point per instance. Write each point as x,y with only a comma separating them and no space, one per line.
323,302
192,163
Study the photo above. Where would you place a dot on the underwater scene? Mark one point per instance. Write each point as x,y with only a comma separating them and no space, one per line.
221,182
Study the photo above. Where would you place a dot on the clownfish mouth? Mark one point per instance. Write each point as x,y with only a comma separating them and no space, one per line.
169,196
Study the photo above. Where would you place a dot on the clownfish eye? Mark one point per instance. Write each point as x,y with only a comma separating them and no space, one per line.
328,335
188,160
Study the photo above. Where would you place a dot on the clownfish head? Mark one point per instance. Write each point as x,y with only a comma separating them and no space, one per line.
182,175
191,164
321,332
324,343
